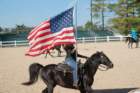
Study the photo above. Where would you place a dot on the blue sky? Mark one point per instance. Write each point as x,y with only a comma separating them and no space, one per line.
32,12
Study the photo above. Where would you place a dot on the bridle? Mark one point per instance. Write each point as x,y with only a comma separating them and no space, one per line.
103,68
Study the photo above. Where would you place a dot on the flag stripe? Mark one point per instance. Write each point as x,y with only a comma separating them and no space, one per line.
42,43
51,45
52,41
34,32
43,49
37,27
40,34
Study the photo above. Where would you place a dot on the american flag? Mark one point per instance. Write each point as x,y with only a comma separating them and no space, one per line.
56,31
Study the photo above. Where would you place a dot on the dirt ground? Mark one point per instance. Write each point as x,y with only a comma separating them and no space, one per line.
125,75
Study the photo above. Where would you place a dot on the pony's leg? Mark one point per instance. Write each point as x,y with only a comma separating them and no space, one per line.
137,44
50,84
128,44
50,88
82,90
45,90
131,45
50,54
59,53
45,55
87,88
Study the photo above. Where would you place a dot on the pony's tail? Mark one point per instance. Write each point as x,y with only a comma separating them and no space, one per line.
34,70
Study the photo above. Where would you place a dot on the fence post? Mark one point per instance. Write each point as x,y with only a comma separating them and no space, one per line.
15,43
0,43
83,40
95,39
121,38
108,39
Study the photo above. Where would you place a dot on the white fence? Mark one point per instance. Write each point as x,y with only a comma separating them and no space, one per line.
80,40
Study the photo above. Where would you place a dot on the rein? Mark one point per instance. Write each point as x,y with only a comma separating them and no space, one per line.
103,68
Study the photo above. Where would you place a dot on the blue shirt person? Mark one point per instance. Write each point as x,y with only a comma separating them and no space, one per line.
134,33
70,59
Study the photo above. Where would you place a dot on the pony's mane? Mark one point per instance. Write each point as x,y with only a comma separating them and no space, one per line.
93,56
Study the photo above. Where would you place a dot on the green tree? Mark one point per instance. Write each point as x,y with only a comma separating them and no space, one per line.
21,28
6,30
80,28
1,29
137,1
126,11
99,8
137,8
89,26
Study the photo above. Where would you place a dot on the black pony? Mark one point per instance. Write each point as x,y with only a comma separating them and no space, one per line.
57,48
130,41
52,77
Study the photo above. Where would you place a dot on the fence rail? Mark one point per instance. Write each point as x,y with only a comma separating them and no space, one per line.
79,40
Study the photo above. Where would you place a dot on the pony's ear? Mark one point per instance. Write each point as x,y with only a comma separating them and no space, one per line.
99,52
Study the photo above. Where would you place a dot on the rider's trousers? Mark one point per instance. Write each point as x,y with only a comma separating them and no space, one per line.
72,63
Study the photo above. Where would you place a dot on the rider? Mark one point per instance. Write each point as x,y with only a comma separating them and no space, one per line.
134,33
70,59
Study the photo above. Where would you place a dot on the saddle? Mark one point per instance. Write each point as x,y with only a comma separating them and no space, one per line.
64,68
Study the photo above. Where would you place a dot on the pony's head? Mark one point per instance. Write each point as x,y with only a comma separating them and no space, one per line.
100,59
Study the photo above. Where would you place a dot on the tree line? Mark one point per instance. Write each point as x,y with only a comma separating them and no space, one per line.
121,14
15,30
26,29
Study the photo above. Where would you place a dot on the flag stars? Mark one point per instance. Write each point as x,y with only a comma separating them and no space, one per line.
63,20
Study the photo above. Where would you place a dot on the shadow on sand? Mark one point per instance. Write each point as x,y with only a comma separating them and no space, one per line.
121,90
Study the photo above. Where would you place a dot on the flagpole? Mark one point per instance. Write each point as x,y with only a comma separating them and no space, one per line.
75,16
75,26
75,19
